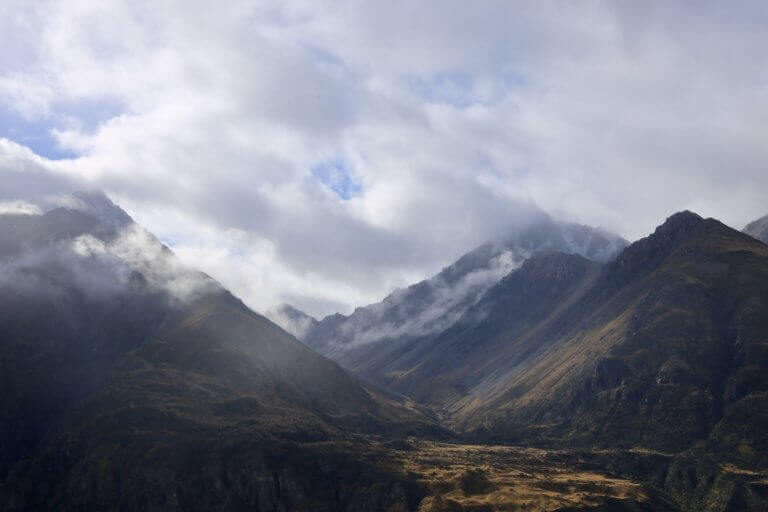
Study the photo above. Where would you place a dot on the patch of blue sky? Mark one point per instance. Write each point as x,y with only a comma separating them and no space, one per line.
168,241
336,174
35,134
38,133
323,56
452,87
87,114
461,89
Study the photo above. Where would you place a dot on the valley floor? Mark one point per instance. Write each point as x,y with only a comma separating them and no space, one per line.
469,477
511,478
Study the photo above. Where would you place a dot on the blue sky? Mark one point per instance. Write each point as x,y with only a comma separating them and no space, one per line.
36,134
337,175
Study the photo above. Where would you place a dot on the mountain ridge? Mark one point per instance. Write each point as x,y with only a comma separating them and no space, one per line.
128,381
434,304
668,251
758,229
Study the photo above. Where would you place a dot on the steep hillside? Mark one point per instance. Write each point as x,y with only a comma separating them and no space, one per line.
473,354
664,349
654,362
368,339
128,381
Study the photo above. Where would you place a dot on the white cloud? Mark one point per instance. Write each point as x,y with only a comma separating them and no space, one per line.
136,251
450,116
19,208
133,261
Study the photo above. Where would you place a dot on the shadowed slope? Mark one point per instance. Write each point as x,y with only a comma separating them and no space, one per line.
390,336
129,381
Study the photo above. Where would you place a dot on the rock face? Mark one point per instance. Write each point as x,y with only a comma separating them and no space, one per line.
758,229
130,382
369,339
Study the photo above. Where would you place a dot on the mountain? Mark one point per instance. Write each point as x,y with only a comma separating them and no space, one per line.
758,229
661,348
656,348
431,306
131,382
128,381
291,319
659,353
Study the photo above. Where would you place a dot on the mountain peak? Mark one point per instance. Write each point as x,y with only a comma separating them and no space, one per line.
680,221
650,251
291,319
672,230
758,229
97,204
293,312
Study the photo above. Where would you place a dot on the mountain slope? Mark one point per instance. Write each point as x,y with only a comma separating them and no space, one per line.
128,381
291,319
474,357
656,362
663,348
758,229
367,340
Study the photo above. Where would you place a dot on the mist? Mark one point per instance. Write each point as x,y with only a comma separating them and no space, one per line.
101,265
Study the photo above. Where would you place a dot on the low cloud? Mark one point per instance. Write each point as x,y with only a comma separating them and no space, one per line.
403,313
19,208
134,252
293,321
131,262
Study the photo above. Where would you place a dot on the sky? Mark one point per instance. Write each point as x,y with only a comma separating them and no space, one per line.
324,153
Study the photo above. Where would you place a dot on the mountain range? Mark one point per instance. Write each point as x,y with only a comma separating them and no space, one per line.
661,348
432,306
558,368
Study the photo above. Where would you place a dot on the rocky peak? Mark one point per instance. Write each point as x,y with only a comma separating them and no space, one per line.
648,252
680,223
758,229
97,204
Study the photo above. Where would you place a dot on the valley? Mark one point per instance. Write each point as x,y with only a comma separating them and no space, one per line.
131,382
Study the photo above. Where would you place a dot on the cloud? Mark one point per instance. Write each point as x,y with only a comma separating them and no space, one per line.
103,268
291,320
19,208
446,302
30,178
325,153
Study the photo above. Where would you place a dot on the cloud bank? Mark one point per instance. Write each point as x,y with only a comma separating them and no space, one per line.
324,153
100,268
